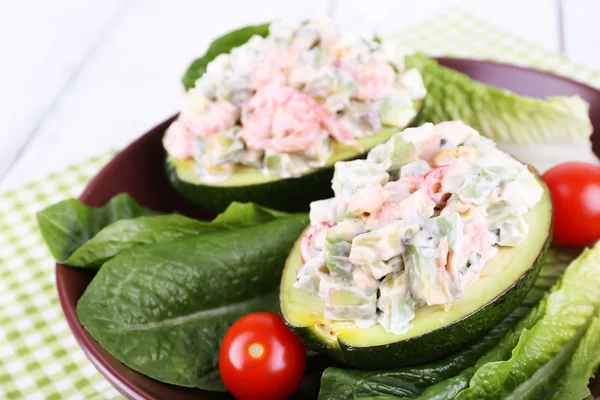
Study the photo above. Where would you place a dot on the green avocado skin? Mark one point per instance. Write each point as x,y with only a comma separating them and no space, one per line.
291,194
433,345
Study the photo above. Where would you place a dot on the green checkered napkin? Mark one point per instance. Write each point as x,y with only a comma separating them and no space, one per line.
39,358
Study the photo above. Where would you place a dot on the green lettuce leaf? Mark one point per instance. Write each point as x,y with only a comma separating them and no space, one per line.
83,236
246,214
410,382
499,114
67,225
127,233
546,348
573,384
223,44
163,308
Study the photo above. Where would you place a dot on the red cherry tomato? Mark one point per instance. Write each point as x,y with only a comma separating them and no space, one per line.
260,359
575,189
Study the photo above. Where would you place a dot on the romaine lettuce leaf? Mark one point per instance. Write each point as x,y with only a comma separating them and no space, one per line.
573,383
67,225
82,236
163,308
545,348
499,114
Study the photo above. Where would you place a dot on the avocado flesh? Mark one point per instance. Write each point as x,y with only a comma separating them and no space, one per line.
503,283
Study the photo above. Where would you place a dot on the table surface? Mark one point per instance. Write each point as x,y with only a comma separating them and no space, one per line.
80,77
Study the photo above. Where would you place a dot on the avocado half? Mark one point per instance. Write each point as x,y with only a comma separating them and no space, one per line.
503,284
248,184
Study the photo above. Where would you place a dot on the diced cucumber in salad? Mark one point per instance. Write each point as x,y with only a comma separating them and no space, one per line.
280,103
414,224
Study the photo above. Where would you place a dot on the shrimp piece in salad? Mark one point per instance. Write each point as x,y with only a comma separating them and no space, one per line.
274,68
215,118
178,141
442,264
375,79
309,244
477,249
285,119
404,198
432,183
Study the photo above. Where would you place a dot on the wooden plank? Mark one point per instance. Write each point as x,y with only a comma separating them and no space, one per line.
581,32
44,44
532,20
132,81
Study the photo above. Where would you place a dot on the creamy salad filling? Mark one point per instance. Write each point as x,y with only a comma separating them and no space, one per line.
413,224
280,103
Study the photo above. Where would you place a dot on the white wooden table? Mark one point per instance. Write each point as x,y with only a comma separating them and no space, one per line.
79,77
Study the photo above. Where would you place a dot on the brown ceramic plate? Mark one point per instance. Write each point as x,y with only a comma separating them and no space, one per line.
138,170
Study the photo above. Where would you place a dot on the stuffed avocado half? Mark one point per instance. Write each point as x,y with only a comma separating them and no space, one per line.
427,244
248,184
266,119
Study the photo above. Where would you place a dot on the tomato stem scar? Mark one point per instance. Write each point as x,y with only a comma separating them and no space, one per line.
256,350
